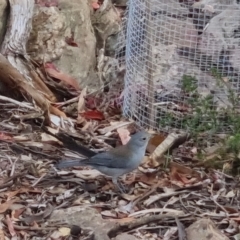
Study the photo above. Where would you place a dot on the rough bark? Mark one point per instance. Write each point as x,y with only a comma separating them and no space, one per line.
15,65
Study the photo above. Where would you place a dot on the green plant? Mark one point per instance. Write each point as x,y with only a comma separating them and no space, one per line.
189,84
233,144
232,96
167,120
205,118
204,115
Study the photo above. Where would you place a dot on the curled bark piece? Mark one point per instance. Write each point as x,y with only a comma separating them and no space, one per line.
165,146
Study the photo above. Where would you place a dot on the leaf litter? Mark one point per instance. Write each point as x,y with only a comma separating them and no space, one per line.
166,198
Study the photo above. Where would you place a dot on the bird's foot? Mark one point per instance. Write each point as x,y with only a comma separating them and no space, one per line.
122,189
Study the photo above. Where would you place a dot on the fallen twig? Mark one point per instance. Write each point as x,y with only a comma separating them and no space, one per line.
126,226
20,104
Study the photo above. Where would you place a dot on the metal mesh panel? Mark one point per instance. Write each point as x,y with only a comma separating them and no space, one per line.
183,64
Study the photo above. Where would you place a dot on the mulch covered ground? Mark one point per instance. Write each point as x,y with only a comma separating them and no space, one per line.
170,197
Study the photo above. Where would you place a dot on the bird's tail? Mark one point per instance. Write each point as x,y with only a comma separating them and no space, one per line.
70,163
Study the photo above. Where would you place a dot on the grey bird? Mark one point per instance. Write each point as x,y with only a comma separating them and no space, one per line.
117,161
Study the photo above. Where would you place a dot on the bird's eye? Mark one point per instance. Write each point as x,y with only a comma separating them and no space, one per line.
144,139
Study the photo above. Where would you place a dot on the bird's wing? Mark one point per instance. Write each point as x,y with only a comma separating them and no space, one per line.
109,159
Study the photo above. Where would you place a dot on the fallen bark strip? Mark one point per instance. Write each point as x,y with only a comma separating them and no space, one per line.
12,77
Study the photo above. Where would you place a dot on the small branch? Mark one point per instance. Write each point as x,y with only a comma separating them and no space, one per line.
20,104
19,228
126,226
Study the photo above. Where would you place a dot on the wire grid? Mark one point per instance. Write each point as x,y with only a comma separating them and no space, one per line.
182,63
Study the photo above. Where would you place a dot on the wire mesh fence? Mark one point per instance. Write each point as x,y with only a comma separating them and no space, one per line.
183,64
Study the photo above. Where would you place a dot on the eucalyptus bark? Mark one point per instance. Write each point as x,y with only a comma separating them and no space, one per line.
16,67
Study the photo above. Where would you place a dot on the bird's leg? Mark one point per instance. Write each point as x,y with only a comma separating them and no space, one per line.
118,185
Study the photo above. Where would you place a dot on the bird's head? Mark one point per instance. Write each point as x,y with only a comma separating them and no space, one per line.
139,139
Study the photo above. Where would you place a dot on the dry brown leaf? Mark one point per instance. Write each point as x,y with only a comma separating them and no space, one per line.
149,179
175,167
87,174
237,219
92,115
39,217
5,137
108,213
57,112
86,126
52,130
46,138
114,125
154,142
56,235
145,160
2,236
10,226
35,224
63,77
122,214
124,135
81,101
24,234
16,213
33,144
11,194
171,232
183,174
40,84
21,138
81,120
5,206
81,106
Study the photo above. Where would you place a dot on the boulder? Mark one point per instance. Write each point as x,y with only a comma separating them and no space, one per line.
64,35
